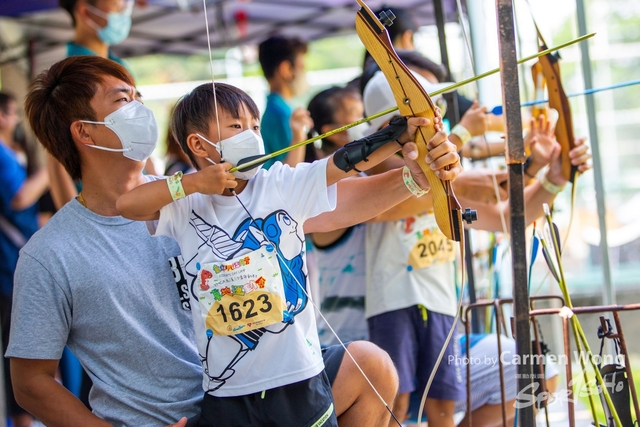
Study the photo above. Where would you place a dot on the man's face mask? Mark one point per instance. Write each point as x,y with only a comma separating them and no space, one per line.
118,24
136,127
240,146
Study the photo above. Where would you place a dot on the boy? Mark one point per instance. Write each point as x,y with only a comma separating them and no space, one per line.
244,257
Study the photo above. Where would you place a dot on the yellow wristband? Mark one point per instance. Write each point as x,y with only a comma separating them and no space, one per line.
411,185
174,182
462,133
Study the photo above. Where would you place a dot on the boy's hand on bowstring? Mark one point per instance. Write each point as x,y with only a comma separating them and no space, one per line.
215,179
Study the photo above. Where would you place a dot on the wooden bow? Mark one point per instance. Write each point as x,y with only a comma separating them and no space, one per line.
413,101
546,72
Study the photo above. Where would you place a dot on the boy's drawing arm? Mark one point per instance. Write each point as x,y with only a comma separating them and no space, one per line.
144,202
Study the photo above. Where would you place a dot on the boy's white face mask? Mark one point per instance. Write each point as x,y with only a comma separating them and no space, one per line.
136,127
240,146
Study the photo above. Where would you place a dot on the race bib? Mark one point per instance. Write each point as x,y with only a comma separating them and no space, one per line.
432,248
242,294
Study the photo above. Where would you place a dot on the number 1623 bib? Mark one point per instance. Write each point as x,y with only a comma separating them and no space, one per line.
242,294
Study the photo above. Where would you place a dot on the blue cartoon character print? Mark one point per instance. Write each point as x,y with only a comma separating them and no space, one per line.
279,231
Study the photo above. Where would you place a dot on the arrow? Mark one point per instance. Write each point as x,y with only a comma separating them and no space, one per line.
497,110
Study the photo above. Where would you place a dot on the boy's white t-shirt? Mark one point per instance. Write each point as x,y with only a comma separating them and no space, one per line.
409,262
214,229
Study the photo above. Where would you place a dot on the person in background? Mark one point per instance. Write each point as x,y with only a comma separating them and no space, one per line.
98,25
341,253
19,195
282,62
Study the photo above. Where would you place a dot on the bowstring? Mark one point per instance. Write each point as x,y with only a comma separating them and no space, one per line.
303,288
460,301
213,78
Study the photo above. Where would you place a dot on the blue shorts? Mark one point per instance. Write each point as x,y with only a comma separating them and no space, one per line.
414,345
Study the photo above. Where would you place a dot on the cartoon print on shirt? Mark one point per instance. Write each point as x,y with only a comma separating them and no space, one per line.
277,229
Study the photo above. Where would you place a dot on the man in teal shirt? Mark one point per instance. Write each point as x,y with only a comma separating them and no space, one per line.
282,62
98,24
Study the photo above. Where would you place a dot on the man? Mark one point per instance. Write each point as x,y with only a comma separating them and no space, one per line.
100,284
282,62
18,221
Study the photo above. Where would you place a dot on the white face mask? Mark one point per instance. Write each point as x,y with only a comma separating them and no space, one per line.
136,127
357,132
240,146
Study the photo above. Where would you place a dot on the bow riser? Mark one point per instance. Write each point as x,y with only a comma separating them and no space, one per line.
412,101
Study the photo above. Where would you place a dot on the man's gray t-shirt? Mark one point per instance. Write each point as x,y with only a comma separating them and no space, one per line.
104,287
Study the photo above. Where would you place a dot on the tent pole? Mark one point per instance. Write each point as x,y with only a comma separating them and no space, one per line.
608,290
515,159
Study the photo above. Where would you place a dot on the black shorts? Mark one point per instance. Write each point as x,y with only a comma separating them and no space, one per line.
307,403
332,357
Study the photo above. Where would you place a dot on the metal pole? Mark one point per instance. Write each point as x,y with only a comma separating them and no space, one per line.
608,290
515,159
453,114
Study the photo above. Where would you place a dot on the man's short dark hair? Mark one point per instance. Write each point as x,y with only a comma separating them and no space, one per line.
195,111
61,95
275,50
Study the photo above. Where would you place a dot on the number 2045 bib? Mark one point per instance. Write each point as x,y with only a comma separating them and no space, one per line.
241,294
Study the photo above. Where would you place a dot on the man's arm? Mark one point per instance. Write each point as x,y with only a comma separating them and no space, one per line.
38,392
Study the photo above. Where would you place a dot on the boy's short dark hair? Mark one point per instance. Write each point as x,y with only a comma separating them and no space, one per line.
275,50
61,95
70,5
195,111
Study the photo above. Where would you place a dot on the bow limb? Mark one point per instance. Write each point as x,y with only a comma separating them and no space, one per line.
413,101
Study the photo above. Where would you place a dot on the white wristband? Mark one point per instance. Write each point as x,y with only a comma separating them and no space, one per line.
410,183
462,133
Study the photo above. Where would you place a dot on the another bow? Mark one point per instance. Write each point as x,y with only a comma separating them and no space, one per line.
413,101
547,72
